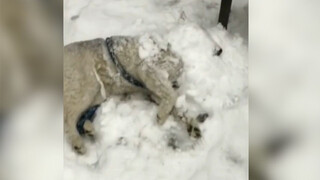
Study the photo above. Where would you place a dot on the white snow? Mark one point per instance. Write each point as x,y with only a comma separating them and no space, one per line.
150,46
131,145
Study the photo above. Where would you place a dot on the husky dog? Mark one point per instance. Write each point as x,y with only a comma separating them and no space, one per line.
97,69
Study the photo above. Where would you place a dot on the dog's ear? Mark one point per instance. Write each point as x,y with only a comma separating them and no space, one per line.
168,46
183,17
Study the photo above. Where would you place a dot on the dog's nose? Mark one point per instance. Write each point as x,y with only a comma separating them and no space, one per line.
218,52
175,85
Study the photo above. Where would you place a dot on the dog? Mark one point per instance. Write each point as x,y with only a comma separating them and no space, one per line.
97,69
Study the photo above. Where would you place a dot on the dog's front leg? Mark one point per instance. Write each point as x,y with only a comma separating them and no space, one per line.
161,87
192,124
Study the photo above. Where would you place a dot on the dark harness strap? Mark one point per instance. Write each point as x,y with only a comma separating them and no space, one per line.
87,115
123,72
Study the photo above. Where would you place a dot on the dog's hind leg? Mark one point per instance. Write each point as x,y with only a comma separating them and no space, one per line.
77,99
73,112
71,116
88,127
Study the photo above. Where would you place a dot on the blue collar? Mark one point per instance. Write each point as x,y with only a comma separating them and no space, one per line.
123,72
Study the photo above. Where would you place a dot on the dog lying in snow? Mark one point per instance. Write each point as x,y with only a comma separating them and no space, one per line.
97,69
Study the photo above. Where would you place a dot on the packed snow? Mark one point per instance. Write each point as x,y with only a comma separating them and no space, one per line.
130,144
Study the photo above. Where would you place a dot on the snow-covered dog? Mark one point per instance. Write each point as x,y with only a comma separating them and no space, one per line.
97,69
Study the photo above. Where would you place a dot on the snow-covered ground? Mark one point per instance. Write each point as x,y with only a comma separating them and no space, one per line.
131,145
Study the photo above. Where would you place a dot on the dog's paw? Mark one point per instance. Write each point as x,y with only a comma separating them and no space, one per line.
172,142
78,145
89,129
194,131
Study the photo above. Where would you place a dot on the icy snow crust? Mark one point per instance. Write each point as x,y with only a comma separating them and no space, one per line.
130,144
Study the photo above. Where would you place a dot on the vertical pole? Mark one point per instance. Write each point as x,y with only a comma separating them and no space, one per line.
225,8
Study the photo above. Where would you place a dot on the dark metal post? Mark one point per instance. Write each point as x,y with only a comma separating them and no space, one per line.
225,8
